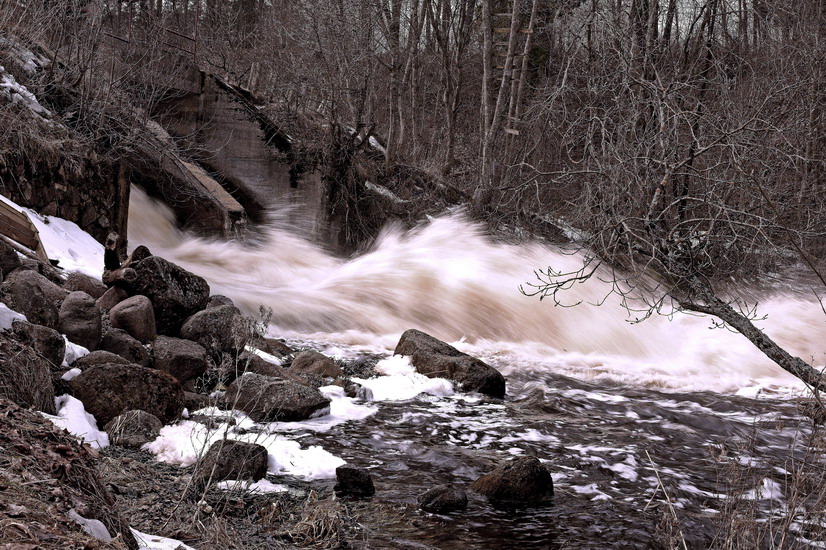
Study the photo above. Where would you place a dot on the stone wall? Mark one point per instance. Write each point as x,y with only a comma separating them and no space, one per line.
78,187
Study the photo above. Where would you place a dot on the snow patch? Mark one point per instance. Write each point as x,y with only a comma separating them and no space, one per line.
92,527
73,352
254,487
184,442
64,241
152,542
70,374
72,417
9,316
15,93
269,358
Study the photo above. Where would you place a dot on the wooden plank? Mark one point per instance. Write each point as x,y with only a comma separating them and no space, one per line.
17,226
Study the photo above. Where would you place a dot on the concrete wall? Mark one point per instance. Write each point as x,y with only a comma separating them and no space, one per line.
222,132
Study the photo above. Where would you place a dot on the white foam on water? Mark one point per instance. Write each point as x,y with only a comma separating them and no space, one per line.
400,381
591,489
449,280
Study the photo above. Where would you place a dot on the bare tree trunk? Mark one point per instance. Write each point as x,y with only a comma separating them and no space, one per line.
710,304
498,112
669,22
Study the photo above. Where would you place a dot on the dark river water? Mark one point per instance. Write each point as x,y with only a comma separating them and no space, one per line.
661,434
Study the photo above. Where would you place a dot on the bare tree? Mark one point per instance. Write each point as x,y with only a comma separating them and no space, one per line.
688,158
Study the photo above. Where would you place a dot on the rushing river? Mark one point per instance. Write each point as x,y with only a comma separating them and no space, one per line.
641,423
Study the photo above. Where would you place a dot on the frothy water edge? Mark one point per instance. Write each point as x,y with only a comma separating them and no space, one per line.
446,278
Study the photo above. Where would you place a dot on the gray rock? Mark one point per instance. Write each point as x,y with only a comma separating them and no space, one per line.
354,481
229,371
437,359
79,320
195,401
522,480
267,399
250,362
79,281
46,341
275,347
133,429
181,358
218,329
175,293
9,259
34,296
124,278
230,459
117,341
140,253
111,298
99,357
112,389
136,316
443,499
219,300
312,362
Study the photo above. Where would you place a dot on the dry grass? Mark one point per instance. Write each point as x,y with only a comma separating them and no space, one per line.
754,516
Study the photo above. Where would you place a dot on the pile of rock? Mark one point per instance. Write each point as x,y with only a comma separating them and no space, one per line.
155,335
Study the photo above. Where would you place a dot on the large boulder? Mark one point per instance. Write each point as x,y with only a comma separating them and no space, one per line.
217,300
79,281
443,499
79,320
117,341
133,429
267,399
111,298
99,357
111,389
181,358
312,362
175,292
275,347
196,401
136,316
25,376
521,481
33,295
230,459
436,359
219,329
46,341
354,481
250,362
9,259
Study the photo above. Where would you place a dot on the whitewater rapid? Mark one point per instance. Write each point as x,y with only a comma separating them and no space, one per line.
448,279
